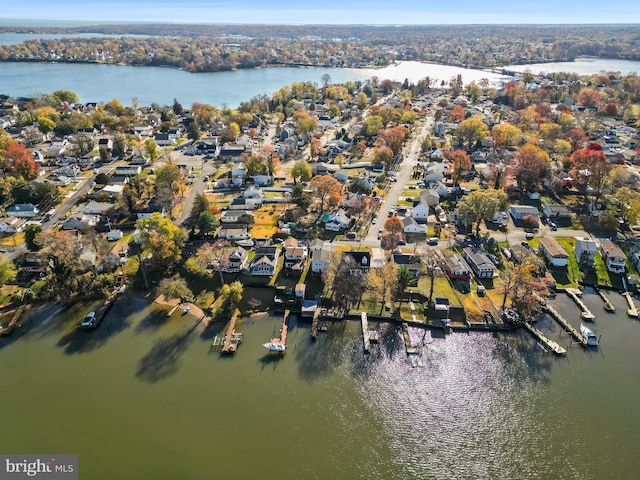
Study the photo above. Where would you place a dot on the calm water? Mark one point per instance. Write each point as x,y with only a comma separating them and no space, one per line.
145,397
102,83
582,66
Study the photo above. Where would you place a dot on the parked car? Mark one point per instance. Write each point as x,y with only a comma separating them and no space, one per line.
351,235
433,241
374,221
529,235
379,234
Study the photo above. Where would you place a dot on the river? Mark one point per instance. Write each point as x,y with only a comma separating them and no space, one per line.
145,396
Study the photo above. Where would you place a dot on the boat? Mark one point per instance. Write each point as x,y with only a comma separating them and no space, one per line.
186,310
588,336
275,346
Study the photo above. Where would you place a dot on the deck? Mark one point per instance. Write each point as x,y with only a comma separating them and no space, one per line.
575,295
231,339
632,311
549,344
565,324
282,339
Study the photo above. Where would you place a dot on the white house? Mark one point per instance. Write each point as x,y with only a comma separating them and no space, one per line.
410,225
585,252
265,261
613,256
556,211
23,210
97,208
337,221
554,252
238,174
426,200
518,212
253,192
434,172
295,258
232,216
234,232
320,259
12,224
233,261
128,170
262,180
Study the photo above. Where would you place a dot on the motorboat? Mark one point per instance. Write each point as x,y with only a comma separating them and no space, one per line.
186,310
588,336
275,346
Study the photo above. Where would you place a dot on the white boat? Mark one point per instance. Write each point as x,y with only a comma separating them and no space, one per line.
588,336
274,346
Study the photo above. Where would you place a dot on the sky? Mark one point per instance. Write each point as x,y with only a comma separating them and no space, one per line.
297,12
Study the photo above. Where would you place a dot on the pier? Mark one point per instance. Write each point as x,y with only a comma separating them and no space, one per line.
231,339
365,331
548,344
632,311
412,352
282,339
608,306
314,324
575,295
565,324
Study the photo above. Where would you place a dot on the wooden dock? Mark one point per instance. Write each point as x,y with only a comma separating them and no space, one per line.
412,352
231,339
632,311
365,331
565,324
608,306
549,344
575,295
13,321
314,324
282,339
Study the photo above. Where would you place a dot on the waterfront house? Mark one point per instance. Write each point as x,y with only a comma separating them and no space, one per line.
23,210
12,224
409,225
320,258
456,268
410,261
362,261
479,262
233,261
295,257
265,261
554,252
585,252
518,212
613,256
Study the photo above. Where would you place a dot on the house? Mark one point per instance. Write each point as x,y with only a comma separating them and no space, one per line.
231,152
300,290
265,261
97,208
234,261
554,252
613,256
481,265
128,170
457,269
295,258
106,143
12,224
421,207
164,139
238,174
262,180
320,258
341,175
234,231
245,203
585,252
253,192
233,216
518,212
337,221
410,225
35,263
80,221
411,262
434,172
362,262
22,210
111,190
556,211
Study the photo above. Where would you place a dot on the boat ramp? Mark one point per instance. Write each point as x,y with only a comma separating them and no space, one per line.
575,295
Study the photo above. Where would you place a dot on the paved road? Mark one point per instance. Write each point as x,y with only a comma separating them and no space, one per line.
410,155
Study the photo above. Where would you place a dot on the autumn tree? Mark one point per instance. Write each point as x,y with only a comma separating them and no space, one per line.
347,283
456,114
8,271
163,240
481,205
81,145
382,156
371,125
327,190
523,284
471,131
588,97
460,164
175,287
530,168
151,149
382,282
231,294
392,232
17,159
590,170
301,170
393,138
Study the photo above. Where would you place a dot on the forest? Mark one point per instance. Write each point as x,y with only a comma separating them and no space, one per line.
208,48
